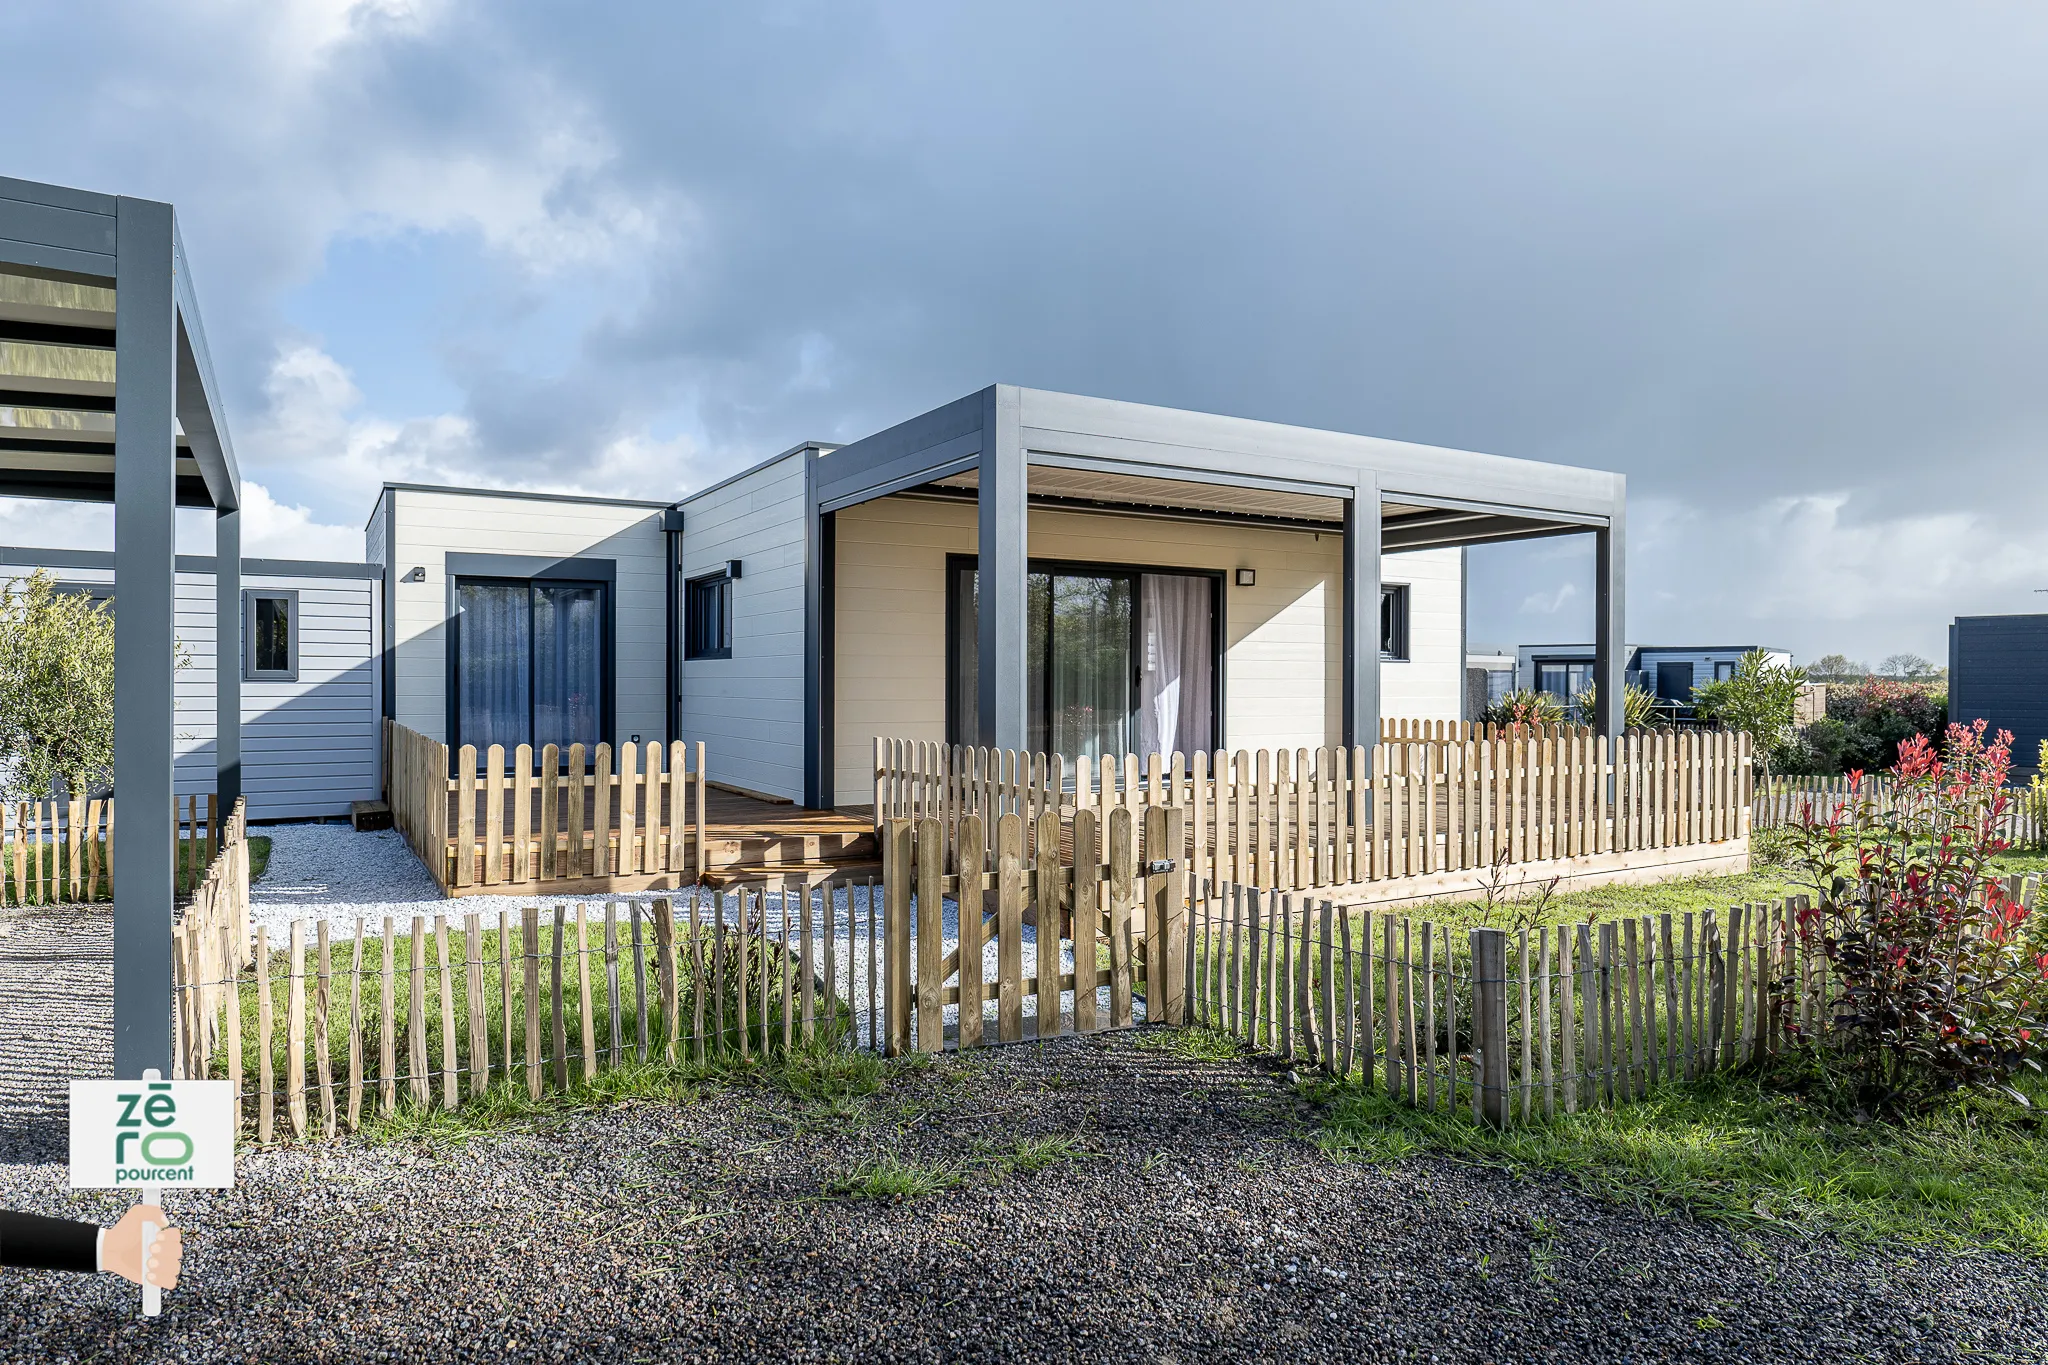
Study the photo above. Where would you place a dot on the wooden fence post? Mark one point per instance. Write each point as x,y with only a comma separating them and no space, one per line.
896,965
1490,1022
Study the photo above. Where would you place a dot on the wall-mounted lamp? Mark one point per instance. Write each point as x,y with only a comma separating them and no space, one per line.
732,568
416,574
1247,577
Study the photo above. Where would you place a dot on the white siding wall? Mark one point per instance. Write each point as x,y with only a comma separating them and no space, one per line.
1284,653
309,747
1429,683
428,526
748,709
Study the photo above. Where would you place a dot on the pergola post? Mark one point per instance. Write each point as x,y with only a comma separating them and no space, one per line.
227,657
145,568
1362,614
1003,564
1610,629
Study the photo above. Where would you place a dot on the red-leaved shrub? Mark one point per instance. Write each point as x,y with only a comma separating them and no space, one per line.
1938,985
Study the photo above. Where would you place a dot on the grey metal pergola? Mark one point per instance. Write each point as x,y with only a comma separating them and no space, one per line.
147,435
1017,448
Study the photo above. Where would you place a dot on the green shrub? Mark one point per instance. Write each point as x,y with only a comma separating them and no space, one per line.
1524,707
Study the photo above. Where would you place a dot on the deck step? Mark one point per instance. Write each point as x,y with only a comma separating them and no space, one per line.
808,872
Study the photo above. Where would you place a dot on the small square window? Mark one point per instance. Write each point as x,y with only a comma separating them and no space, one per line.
1724,670
1394,622
270,627
707,617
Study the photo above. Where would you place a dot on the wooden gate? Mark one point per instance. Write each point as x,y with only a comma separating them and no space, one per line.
1107,924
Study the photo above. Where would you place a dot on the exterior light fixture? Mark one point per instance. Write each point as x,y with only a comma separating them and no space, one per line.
732,568
1247,577
416,574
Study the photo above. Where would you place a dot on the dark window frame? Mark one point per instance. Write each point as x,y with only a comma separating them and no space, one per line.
956,564
1569,663
1394,598
294,624
533,570
694,591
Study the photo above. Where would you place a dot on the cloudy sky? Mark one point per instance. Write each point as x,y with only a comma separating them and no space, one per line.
1783,266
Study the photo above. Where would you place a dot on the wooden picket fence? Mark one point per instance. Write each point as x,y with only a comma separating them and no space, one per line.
1100,916
52,850
1338,817
550,823
1787,801
1519,1025
208,940
338,1023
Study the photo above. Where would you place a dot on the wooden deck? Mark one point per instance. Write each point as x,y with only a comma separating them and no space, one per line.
746,838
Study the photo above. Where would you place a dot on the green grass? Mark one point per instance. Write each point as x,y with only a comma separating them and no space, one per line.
1193,1044
887,1176
1970,1177
55,862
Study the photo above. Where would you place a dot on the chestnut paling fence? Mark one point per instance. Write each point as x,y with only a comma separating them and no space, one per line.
1335,817
1785,802
324,1026
1520,1024
62,850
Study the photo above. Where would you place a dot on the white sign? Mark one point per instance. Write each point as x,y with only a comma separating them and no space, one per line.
156,1134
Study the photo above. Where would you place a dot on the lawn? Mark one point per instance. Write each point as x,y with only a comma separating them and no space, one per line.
1726,1149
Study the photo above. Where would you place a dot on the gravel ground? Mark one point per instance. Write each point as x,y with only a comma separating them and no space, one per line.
1190,1219
56,1013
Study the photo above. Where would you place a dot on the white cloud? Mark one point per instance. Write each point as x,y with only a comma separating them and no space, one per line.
1549,603
272,530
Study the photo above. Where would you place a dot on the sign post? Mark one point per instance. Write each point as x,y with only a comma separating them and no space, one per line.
149,1136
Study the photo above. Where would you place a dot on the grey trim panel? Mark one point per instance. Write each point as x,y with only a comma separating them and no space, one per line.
36,558
530,566
528,496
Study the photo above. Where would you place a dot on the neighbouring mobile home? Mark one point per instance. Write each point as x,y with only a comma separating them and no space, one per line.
310,689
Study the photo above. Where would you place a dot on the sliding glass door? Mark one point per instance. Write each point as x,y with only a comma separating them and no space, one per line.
530,663
1117,660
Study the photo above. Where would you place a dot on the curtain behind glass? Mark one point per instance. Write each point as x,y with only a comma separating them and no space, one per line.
1091,665
568,664
1176,690
491,682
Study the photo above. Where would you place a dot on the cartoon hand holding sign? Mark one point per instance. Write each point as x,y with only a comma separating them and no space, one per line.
143,1135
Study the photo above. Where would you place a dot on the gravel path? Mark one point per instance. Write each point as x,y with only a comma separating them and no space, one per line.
56,1017
1187,1218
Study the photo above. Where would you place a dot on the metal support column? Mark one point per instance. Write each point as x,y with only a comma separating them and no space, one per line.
1610,629
145,564
1362,614
227,656
1003,559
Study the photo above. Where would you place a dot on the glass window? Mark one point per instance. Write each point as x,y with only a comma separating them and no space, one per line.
1116,661
531,663
707,618
270,623
1564,679
1724,670
1394,621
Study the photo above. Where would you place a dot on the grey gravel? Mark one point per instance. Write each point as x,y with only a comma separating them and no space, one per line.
1196,1220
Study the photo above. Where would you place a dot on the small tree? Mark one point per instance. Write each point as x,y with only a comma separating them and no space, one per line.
1835,668
56,688
1762,700
1906,666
